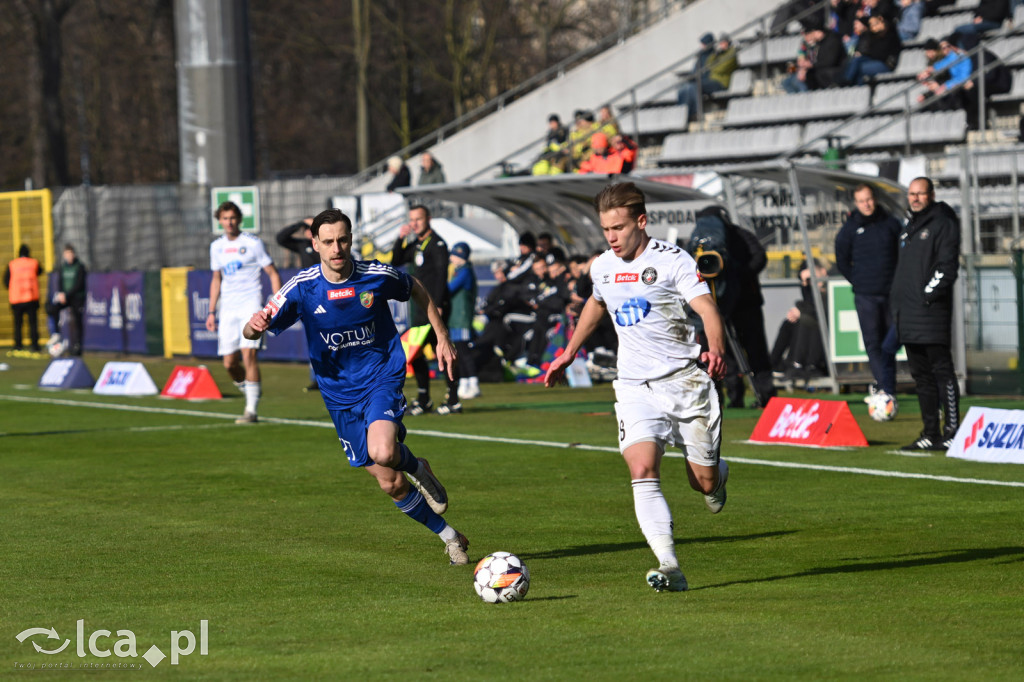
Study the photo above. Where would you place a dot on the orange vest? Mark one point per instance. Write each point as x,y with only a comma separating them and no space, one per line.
24,286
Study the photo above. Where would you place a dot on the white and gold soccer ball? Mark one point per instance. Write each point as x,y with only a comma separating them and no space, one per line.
883,407
501,577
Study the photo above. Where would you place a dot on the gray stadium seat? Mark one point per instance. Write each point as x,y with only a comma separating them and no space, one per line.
884,91
940,127
779,50
655,121
911,63
661,90
833,103
1016,92
748,143
740,85
989,164
1010,50
940,26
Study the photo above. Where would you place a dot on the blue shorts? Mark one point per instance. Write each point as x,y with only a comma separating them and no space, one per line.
385,403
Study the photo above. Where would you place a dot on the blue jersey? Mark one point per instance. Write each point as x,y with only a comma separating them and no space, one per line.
353,343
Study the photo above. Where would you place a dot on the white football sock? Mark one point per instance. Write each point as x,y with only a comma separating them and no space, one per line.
655,519
448,533
252,395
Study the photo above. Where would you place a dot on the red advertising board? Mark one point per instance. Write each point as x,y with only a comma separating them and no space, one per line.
808,422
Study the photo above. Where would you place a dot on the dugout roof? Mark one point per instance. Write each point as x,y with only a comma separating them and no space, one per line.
560,204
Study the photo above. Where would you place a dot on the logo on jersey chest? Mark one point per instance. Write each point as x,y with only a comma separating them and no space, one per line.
632,311
337,294
623,277
649,276
366,298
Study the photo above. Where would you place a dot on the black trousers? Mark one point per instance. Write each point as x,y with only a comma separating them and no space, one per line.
938,392
19,311
748,323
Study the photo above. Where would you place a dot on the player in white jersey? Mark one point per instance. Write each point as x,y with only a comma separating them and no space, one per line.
665,392
237,260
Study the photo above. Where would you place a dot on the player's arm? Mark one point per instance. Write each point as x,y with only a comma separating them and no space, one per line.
211,317
257,325
714,330
590,317
275,278
444,349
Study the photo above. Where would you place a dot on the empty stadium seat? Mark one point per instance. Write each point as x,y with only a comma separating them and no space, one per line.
997,163
740,85
883,99
775,51
655,121
748,143
911,63
819,104
940,127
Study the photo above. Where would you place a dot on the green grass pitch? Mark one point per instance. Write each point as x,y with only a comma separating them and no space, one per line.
155,518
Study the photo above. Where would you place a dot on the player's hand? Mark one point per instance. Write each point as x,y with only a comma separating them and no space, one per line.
556,370
404,230
446,354
259,321
715,364
211,323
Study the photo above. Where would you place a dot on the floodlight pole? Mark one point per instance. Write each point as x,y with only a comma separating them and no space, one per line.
819,307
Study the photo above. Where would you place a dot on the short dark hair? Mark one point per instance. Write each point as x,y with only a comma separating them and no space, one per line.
329,217
621,195
420,207
23,251
527,239
227,206
865,186
545,235
927,181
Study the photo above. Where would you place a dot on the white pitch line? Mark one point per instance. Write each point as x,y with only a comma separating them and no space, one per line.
517,441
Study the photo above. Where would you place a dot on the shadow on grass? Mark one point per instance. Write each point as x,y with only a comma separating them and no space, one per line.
605,548
960,556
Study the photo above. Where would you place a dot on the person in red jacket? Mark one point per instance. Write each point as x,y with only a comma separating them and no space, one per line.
22,281
603,159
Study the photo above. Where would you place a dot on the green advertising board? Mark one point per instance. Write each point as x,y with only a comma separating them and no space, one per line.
847,344
246,198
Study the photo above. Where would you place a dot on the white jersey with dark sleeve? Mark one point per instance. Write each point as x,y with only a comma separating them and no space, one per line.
241,262
645,298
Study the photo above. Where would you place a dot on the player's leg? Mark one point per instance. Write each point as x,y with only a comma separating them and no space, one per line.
697,425
384,448
248,365
641,440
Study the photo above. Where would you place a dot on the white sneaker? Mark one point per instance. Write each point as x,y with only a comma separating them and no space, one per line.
431,489
247,418
667,579
456,550
716,500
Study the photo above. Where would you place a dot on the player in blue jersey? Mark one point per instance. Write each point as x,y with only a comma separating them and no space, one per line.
357,356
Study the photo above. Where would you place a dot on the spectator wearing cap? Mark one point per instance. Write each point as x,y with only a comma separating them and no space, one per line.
820,60
712,72
462,290
520,267
952,69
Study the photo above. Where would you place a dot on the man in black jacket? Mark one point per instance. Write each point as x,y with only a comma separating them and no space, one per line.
866,253
922,306
70,294
418,244
303,246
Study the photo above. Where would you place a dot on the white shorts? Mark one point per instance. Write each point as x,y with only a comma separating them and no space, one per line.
681,410
231,321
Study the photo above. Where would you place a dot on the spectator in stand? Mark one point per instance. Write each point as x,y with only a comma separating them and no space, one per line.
603,159
22,281
606,121
400,176
431,172
989,15
301,246
626,148
579,137
554,159
873,8
820,62
544,243
844,14
793,10
952,69
853,39
877,52
933,7
713,69
910,19
70,294
557,134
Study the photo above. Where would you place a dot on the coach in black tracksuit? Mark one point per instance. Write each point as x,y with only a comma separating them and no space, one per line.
867,248
922,307
418,244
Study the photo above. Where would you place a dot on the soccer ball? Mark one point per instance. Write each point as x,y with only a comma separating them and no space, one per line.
501,577
56,346
883,407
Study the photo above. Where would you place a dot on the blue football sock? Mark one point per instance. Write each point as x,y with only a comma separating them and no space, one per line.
407,461
415,507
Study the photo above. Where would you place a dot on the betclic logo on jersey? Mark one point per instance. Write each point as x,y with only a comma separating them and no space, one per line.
623,277
336,294
274,304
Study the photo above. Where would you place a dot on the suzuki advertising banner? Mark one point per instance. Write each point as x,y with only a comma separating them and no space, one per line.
990,435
